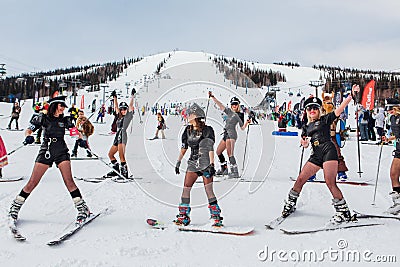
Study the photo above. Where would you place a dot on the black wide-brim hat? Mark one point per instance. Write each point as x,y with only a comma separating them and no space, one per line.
391,102
58,100
313,101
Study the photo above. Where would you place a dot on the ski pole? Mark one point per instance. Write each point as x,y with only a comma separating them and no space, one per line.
99,108
106,163
301,159
358,147
18,148
208,103
377,172
245,147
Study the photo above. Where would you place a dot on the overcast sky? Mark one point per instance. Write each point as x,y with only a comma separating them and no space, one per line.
48,34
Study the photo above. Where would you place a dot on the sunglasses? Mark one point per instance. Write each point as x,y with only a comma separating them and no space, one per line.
234,104
123,109
313,107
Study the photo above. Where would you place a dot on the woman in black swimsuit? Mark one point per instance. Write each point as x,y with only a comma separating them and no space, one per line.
317,133
200,138
53,150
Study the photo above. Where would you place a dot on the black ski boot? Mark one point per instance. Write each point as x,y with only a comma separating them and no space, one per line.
113,173
290,203
342,212
234,171
74,153
223,170
124,170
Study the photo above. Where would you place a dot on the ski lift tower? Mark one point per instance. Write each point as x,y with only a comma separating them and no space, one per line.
2,70
316,84
75,82
127,84
104,86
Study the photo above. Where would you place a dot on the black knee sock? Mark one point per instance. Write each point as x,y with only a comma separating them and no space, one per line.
212,201
396,189
24,194
76,193
221,158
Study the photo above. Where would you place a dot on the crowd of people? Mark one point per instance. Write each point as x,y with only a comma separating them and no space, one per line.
318,131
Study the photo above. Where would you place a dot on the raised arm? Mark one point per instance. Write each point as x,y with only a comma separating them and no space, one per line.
346,101
216,101
131,107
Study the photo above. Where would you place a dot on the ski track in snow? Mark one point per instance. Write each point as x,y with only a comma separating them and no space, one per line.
122,237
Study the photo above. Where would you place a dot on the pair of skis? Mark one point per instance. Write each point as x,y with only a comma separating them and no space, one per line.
354,224
57,241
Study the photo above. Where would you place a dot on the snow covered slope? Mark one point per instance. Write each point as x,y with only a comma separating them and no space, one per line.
122,237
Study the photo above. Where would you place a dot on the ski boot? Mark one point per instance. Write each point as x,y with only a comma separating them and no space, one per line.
215,213
290,203
89,154
15,207
83,210
113,173
342,176
183,217
1,173
74,153
124,171
234,172
395,208
312,178
222,171
9,127
342,212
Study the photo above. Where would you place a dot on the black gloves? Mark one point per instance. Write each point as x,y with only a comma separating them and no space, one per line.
210,94
133,91
83,143
29,140
178,164
209,171
114,93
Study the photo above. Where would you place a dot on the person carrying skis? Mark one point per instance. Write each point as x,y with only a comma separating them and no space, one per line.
200,138
16,110
161,126
124,118
393,108
53,150
234,117
317,133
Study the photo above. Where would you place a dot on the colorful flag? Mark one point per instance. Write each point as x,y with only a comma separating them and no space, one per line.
368,97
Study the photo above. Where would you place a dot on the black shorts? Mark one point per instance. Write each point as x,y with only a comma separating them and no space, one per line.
322,153
58,153
229,136
396,154
120,138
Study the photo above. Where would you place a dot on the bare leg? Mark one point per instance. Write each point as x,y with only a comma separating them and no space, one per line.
230,147
395,172
38,170
208,186
111,152
121,152
330,171
221,147
308,170
190,179
65,169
